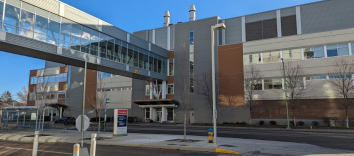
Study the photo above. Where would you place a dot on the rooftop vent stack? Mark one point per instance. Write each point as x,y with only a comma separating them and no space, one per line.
166,17
192,13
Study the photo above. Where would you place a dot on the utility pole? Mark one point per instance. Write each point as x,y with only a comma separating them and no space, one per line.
286,95
83,107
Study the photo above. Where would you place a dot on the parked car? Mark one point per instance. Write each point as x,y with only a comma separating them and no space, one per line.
66,120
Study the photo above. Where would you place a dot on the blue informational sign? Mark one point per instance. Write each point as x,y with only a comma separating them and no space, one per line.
122,121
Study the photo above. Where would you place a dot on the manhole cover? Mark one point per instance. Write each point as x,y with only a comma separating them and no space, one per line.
228,145
38,135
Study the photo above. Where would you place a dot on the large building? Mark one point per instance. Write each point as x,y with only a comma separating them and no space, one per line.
312,35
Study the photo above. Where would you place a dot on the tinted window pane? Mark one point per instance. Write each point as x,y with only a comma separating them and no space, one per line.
94,42
11,20
103,45
27,23
110,49
124,52
136,57
85,40
1,10
53,32
130,55
65,35
117,51
40,28
151,62
75,38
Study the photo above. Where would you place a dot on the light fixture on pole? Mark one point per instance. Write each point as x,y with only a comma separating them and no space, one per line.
286,95
219,26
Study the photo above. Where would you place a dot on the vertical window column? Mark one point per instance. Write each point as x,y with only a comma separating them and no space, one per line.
191,61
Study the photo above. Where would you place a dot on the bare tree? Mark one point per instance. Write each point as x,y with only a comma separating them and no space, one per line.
294,85
342,82
253,81
5,97
98,101
154,88
42,95
205,90
183,92
22,95
229,99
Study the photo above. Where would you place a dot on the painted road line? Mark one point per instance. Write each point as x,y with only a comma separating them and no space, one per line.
219,150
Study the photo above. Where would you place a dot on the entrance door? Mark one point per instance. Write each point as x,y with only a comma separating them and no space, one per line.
191,117
158,116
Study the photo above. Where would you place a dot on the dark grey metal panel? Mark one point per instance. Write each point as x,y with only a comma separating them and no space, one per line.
261,16
139,42
254,31
287,11
150,36
270,28
161,37
50,64
233,31
113,64
114,31
30,43
159,51
327,15
159,76
288,25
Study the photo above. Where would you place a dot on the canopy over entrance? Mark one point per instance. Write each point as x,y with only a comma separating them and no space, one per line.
156,102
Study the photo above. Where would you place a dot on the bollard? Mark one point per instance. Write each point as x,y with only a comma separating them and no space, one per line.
93,144
76,151
35,143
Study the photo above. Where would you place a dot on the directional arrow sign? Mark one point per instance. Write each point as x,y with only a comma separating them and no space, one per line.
86,123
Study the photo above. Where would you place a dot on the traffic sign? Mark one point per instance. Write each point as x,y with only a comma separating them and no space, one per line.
86,123
108,100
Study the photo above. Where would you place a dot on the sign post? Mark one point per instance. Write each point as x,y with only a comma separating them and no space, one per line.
105,114
120,122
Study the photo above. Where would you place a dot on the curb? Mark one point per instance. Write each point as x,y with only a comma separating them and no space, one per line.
184,148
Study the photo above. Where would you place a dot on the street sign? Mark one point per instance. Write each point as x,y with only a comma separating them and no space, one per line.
216,114
86,123
108,100
120,121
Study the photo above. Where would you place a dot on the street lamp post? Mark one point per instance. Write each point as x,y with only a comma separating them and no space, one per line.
219,26
286,95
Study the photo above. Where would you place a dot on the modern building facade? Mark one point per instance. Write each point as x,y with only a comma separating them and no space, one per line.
312,35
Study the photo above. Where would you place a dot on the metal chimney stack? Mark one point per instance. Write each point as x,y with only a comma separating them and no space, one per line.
192,13
166,17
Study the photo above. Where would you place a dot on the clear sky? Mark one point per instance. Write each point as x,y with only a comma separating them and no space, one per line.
135,15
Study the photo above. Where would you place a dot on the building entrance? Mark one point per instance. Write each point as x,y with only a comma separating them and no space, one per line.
158,116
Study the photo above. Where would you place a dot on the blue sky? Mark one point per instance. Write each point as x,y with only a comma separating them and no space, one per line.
135,15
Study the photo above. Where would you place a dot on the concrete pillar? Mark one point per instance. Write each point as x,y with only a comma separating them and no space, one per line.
164,88
164,114
61,112
151,90
153,113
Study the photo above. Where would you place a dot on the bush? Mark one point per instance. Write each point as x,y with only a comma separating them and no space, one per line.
301,123
261,122
243,123
273,122
238,123
327,120
315,123
225,123
292,123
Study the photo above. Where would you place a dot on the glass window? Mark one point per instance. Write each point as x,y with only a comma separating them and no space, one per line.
110,48
171,67
170,89
257,86
103,45
191,85
65,33
117,50
85,40
340,76
27,23
170,114
191,64
53,32
94,42
61,94
147,113
40,80
130,55
314,52
39,96
272,84
293,54
159,63
271,57
41,28
141,58
75,37
147,91
337,50
32,96
11,20
146,60
155,63
164,66
136,57
1,11
252,59
33,80
191,41
321,77
63,77
124,52
151,62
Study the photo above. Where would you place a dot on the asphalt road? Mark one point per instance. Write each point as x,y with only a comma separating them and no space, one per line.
323,139
9,148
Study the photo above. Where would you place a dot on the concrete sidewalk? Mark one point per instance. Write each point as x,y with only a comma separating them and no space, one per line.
244,146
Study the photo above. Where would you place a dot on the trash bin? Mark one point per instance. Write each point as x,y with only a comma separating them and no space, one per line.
210,134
